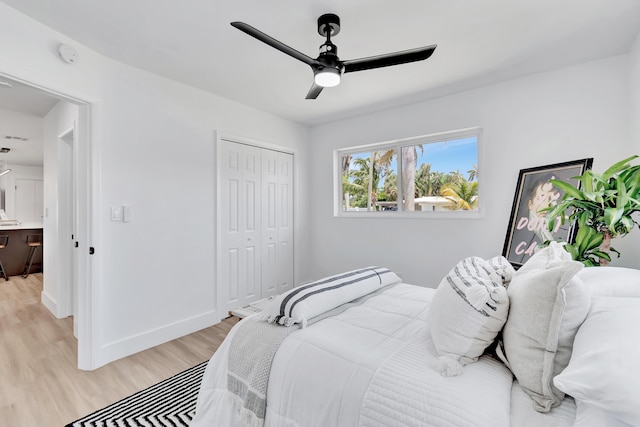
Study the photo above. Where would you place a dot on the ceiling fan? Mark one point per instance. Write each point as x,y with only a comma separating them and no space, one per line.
327,67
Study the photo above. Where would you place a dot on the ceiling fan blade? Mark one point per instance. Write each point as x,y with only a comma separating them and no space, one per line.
314,91
246,28
403,57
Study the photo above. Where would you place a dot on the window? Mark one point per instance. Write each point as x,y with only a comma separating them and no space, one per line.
433,175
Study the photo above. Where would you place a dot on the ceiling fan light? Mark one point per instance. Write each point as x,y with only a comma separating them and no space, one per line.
327,77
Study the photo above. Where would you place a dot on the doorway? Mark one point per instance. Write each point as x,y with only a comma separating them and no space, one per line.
67,207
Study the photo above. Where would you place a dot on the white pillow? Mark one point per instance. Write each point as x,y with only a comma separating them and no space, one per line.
611,281
547,305
467,311
312,299
604,371
590,416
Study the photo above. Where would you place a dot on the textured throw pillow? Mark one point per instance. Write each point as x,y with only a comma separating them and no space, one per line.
468,310
312,299
547,305
604,371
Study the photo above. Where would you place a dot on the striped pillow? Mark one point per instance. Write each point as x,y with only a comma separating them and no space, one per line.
468,310
312,299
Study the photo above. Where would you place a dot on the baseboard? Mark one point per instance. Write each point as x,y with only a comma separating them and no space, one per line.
139,342
50,303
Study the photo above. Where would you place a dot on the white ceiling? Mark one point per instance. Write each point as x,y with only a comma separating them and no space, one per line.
22,133
479,42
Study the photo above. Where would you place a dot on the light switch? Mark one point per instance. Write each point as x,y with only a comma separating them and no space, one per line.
116,213
126,213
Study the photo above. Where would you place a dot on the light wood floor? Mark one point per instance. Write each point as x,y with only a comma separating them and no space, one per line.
40,384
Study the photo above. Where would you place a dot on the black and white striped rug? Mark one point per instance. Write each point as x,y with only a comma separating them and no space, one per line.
171,402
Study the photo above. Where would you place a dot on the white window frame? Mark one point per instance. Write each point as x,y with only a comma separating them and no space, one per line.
398,144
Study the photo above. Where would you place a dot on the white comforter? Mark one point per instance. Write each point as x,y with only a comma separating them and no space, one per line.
372,366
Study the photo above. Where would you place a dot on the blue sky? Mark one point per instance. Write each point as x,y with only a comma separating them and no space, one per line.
445,156
458,154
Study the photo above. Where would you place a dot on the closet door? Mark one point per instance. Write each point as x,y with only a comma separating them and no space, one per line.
240,224
284,217
269,223
277,222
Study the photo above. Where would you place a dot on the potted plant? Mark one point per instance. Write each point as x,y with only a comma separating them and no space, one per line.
602,208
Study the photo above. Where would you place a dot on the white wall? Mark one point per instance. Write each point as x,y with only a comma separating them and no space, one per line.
16,124
152,147
19,172
564,115
634,91
631,242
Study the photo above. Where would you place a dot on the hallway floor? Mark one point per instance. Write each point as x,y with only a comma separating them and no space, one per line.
40,384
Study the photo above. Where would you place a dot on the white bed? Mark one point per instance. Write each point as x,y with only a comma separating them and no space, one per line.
375,364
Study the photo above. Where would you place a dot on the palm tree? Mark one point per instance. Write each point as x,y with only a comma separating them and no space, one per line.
409,162
390,186
464,194
424,184
366,179
436,181
346,164
454,177
473,172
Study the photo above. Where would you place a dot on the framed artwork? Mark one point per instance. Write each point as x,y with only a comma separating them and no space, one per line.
528,227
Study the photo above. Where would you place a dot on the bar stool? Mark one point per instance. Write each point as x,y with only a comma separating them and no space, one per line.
4,241
34,241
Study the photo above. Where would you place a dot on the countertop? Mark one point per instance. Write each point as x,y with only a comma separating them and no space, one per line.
21,226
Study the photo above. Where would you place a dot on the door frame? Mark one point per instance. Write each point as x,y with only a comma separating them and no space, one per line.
69,291
85,272
219,137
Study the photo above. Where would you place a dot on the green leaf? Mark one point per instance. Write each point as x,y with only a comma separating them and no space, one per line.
635,202
603,255
627,222
572,250
631,175
587,181
622,193
612,216
582,238
617,167
569,189
551,222
595,240
590,195
600,183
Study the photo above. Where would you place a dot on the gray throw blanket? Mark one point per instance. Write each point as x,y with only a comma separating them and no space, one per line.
250,355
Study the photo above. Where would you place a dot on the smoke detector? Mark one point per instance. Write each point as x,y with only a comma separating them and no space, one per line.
68,53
